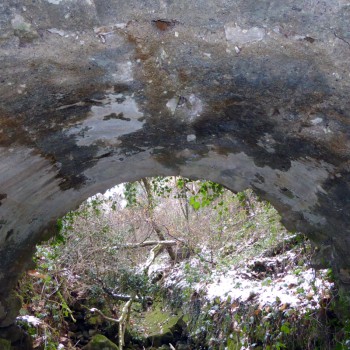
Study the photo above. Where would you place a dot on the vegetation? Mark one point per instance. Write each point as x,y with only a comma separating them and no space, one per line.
168,264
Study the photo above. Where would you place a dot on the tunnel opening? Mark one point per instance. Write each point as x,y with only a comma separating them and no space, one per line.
204,268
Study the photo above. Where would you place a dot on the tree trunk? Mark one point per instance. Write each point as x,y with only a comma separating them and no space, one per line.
155,226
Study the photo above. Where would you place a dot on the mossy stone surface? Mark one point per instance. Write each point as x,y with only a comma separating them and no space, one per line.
156,317
5,344
100,342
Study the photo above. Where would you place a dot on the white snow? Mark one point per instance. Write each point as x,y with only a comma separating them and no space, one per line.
34,321
301,288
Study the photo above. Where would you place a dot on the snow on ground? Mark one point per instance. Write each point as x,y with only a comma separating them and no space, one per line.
304,289
295,287
115,193
32,320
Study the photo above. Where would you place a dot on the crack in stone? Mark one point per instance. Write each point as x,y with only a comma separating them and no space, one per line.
342,39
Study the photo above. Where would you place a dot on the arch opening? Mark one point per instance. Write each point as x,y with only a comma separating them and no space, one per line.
246,94
227,250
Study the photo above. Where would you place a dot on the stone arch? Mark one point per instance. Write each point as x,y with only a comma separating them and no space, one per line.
102,92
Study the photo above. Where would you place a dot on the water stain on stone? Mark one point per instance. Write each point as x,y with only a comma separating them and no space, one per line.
2,196
309,39
275,112
260,179
287,192
72,181
63,152
9,234
164,24
105,155
119,116
119,88
11,130
2,223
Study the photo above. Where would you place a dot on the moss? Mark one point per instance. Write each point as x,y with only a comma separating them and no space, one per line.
341,304
5,344
94,320
158,317
233,344
158,340
100,342
12,304
162,327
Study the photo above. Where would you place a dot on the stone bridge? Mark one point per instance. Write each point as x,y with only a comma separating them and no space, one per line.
247,93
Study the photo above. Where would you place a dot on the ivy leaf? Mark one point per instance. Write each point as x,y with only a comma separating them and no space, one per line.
194,203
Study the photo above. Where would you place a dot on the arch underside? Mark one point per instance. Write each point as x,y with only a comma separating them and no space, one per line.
248,94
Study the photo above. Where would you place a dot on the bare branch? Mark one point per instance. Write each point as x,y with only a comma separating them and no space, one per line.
144,244
155,251
122,320
115,320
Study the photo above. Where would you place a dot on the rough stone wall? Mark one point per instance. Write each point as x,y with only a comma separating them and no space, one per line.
243,92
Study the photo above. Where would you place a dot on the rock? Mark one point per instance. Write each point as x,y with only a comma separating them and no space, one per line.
158,340
100,342
95,93
17,337
182,346
23,29
174,334
86,334
92,332
164,347
12,305
5,344
94,320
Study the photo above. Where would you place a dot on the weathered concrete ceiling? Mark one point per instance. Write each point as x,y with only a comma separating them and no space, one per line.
243,92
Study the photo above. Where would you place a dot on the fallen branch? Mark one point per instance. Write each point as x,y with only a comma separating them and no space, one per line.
115,320
155,251
144,244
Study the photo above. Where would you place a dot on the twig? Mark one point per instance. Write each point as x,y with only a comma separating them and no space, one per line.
103,315
172,236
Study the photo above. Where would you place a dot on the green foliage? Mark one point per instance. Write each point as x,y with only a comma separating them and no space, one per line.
65,309
131,282
247,325
205,193
100,342
266,282
161,186
130,193
5,344
48,305
285,328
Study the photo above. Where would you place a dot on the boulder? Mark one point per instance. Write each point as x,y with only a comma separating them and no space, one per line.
100,342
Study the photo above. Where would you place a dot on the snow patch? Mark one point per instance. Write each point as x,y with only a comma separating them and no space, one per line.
34,321
290,290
